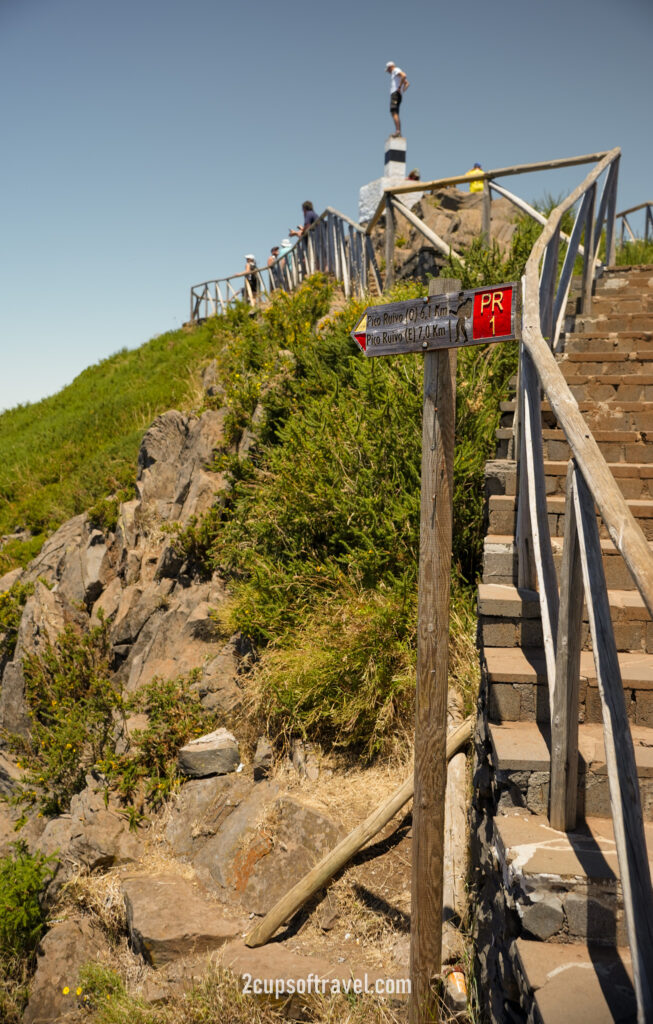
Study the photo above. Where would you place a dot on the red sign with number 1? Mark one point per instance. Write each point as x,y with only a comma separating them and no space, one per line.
492,316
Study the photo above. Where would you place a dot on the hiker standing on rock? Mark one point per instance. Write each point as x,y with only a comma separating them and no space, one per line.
398,85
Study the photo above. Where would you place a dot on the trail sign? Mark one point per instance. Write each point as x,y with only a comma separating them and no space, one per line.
449,320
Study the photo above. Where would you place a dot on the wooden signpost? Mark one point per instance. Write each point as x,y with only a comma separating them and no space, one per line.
438,325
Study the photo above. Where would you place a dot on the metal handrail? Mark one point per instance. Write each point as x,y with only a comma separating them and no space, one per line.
590,483
333,244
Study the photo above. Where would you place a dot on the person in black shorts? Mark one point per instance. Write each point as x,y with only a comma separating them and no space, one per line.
398,85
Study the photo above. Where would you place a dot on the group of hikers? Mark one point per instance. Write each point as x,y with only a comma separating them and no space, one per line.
251,289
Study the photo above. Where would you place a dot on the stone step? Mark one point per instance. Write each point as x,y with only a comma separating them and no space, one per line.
613,302
500,561
611,322
565,887
562,984
518,690
635,479
510,616
597,362
608,387
521,759
624,341
619,279
601,415
503,514
615,445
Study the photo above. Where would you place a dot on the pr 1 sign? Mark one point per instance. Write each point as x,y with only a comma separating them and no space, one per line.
449,320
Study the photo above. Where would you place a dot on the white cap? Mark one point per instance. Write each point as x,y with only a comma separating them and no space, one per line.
285,243
250,257
390,64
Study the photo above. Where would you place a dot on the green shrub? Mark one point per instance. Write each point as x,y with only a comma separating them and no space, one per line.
23,877
77,713
319,532
75,703
12,602
175,716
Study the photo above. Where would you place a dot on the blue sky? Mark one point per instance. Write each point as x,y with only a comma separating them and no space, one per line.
147,145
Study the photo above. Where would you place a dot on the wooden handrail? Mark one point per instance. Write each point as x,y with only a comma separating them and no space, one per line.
633,209
590,482
624,531
499,172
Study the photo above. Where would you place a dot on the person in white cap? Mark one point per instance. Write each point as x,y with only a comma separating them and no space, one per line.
398,85
251,280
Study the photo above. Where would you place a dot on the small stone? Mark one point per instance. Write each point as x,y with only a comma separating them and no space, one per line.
544,918
263,758
216,753
299,758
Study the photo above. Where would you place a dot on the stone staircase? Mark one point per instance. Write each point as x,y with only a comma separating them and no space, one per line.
550,928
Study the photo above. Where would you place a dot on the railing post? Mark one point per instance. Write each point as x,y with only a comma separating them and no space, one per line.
532,474
389,242
564,711
547,285
625,801
588,261
486,227
611,215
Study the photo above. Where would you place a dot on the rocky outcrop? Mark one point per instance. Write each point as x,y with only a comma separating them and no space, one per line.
61,953
160,617
44,616
169,917
454,215
94,834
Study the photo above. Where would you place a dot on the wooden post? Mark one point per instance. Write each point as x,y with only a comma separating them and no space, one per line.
564,710
625,800
487,214
389,243
438,432
588,267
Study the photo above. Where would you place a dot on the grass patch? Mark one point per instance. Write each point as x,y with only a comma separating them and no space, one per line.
61,455
633,253
218,997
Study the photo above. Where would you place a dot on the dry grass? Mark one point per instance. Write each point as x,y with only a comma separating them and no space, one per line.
219,999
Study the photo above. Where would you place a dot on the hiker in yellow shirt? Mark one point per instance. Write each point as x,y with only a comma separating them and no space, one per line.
474,186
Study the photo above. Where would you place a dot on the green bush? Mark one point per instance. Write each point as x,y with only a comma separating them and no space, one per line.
175,716
12,602
319,533
78,712
23,877
75,704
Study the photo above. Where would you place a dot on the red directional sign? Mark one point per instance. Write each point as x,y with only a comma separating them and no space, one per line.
449,320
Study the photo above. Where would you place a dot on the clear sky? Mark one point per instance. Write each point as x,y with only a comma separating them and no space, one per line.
147,145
